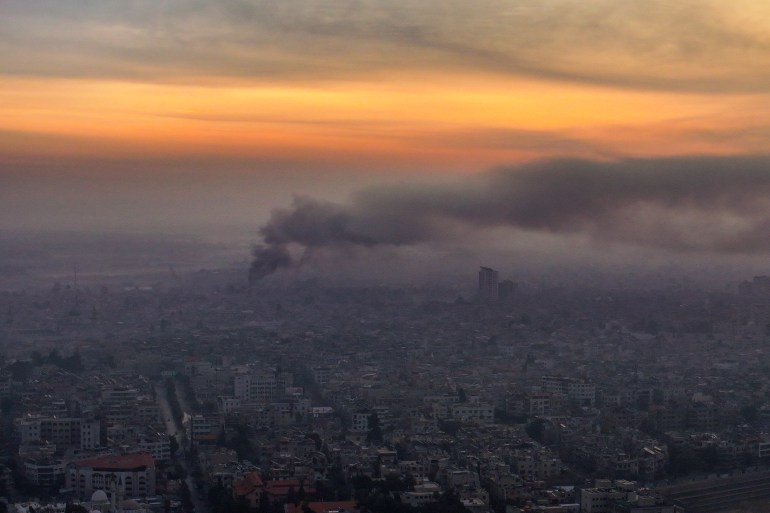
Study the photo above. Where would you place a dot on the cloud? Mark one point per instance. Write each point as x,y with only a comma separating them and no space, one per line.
694,45
706,205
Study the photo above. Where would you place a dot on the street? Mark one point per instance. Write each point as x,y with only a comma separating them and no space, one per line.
198,501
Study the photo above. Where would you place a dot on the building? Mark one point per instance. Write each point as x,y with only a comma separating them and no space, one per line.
90,434
580,391
322,375
61,431
473,412
44,472
424,493
132,473
360,422
254,387
622,497
488,285
205,428
249,488
538,404
159,446
540,465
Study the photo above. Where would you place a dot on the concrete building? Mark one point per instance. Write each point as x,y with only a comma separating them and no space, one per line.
62,432
474,412
44,473
360,422
90,434
488,285
133,473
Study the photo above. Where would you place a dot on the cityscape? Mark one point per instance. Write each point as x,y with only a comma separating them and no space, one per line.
384,256
198,392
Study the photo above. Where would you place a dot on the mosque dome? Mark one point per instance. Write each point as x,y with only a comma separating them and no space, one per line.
99,496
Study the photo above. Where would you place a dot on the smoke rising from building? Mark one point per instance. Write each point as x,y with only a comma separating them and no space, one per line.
704,204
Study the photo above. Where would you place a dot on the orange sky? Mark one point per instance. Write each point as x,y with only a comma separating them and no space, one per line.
466,125
377,85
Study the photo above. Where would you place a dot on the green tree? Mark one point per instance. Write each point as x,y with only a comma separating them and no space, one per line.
6,405
173,445
536,429
750,413
374,436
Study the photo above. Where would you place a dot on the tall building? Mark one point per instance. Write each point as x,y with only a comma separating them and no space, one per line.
488,287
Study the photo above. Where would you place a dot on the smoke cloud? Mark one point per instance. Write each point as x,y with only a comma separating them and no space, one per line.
708,204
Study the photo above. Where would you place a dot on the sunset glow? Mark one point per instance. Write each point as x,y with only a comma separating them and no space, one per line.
131,81
466,124
263,100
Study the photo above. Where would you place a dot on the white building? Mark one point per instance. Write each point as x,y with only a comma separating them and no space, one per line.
134,473
423,493
474,412
45,473
536,466
251,387
90,434
205,428
159,447
228,404
61,431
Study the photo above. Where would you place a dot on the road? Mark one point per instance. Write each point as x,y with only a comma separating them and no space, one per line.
165,411
172,429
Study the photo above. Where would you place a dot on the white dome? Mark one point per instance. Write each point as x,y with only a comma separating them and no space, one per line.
99,496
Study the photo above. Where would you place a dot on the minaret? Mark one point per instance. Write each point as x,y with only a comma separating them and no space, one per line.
113,493
121,494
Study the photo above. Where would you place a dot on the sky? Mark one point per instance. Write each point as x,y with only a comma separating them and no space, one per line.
139,113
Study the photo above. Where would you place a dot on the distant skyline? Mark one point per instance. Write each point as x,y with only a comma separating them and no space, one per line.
120,114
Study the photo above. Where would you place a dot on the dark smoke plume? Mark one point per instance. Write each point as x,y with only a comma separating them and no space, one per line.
707,204
267,260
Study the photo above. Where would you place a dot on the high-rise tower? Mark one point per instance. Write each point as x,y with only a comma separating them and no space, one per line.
488,291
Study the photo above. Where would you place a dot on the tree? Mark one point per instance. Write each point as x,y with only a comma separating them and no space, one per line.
173,445
317,439
362,486
37,358
375,432
20,371
710,458
750,413
536,429
6,405
449,426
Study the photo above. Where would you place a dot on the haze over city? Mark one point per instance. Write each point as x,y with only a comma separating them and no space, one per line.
200,118
384,256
